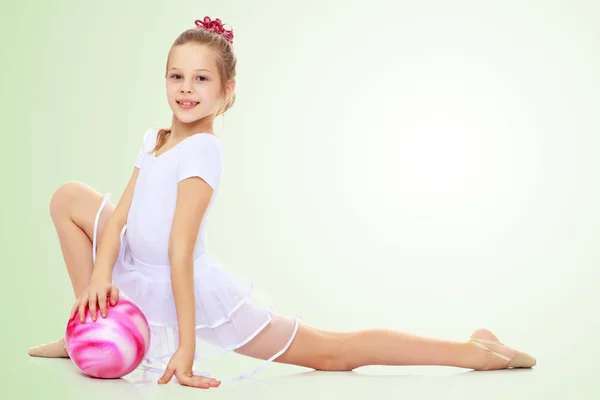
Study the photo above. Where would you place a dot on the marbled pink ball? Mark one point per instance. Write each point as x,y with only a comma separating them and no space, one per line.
111,347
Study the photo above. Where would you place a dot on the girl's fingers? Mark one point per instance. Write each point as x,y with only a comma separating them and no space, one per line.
197,381
92,303
213,382
102,303
74,309
167,375
82,304
193,381
114,295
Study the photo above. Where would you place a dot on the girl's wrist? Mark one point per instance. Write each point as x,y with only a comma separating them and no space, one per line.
187,341
101,274
187,347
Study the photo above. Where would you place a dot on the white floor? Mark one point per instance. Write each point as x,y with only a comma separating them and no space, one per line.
565,372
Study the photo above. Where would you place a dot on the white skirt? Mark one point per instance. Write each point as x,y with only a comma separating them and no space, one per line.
226,318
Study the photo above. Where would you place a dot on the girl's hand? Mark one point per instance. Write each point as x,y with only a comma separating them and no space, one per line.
180,365
95,294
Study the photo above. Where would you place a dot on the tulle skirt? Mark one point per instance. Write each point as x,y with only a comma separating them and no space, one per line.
228,318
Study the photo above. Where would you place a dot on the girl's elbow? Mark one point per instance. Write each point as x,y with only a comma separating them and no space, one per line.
181,257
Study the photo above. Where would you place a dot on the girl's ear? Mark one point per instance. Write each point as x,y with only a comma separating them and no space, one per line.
230,87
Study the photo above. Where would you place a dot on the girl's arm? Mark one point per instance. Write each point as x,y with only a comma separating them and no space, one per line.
108,249
110,242
193,197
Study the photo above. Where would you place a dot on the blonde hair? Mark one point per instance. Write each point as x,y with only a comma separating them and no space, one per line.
226,61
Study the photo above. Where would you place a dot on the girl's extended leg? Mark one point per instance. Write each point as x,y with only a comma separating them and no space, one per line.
73,210
345,351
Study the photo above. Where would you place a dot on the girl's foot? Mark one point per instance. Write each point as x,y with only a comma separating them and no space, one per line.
499,356
50,350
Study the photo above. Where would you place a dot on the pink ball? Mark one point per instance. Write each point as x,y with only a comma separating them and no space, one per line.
111,347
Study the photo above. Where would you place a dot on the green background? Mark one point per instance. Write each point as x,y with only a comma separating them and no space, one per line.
424,166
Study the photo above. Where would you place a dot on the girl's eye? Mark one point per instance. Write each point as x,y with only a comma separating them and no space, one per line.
176,76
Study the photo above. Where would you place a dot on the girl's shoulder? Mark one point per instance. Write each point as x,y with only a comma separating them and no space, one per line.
200,155
150,136
203,142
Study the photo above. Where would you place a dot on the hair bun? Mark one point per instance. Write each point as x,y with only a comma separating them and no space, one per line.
215,26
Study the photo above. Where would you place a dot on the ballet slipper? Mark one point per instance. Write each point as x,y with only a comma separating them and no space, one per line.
490,343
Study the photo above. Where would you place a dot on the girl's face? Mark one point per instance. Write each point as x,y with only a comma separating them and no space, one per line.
193,83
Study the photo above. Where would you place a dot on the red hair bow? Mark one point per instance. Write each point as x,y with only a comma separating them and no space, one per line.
215,26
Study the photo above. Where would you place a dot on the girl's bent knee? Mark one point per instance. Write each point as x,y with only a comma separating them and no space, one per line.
63,196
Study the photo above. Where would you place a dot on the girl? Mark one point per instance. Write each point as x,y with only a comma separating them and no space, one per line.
152,248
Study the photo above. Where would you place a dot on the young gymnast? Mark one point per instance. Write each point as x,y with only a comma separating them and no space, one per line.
152,249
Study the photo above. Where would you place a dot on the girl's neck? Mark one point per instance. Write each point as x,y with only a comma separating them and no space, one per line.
180,130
